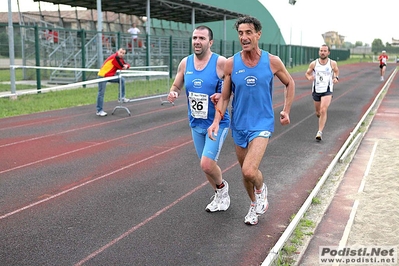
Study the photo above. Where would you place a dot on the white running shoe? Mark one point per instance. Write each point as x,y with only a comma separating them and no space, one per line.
319,135
261,201
221,199
124,100
101,113
251,218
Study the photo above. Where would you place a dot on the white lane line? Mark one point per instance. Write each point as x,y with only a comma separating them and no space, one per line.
90,181
134,228
76,129
90,146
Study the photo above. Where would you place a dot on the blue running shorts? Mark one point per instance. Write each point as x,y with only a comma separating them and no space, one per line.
243,137
204,146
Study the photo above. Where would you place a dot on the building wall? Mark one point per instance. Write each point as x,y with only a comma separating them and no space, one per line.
333,39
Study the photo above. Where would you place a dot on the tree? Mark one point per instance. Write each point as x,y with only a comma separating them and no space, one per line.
377,46
358,43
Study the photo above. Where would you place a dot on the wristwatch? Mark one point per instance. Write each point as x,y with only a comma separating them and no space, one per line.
336,77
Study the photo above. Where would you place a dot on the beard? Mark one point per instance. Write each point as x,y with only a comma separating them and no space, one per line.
199,52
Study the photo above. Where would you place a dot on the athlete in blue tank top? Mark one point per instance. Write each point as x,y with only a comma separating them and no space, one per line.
248,78
200,85
202,76
253,89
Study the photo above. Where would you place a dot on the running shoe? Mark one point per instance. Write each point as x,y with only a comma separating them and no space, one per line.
124,100
319,135
251,218
221,199
101,113
261,200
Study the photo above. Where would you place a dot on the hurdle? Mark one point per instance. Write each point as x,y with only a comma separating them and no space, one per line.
143,75
155,78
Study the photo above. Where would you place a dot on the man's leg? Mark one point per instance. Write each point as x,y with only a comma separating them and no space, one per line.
100,96
317,108
133,44
123,87
324,104
249,159
208,151
212,171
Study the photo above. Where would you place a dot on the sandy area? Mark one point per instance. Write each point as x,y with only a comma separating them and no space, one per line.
377,218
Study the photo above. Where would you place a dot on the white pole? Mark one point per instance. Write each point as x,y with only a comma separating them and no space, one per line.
291,17
193,18
148,22
11,47
148,29
224,35
99,35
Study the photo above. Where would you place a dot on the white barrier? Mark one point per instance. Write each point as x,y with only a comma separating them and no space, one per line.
391,59
158,75
133,73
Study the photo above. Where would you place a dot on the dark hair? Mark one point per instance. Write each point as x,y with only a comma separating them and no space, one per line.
325,45
249,20
210,32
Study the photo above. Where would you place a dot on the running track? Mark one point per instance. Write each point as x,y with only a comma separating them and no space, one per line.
77,189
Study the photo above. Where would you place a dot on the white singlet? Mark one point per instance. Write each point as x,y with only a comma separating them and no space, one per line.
323,77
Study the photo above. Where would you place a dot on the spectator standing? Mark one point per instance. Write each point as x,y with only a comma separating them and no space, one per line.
112,64
134,31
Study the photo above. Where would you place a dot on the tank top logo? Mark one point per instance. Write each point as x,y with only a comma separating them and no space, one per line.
197,83
251,81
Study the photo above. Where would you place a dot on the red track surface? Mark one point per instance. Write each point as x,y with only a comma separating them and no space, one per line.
128,190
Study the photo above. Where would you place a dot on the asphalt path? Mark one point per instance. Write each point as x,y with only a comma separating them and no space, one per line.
77,189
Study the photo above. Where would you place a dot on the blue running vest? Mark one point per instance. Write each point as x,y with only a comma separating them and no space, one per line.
200,85
252,107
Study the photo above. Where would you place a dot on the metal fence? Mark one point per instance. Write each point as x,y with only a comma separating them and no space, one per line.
60,47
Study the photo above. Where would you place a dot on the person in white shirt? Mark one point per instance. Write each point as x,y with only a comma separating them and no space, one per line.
134,31
323,72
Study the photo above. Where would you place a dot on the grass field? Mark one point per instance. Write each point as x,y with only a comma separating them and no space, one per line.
40,102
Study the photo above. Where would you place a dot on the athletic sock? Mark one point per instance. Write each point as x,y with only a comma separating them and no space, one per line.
258,191
220,186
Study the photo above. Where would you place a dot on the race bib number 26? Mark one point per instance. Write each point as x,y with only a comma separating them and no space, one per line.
198,105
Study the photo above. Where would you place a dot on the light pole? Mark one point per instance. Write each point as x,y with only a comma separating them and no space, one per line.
291,2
